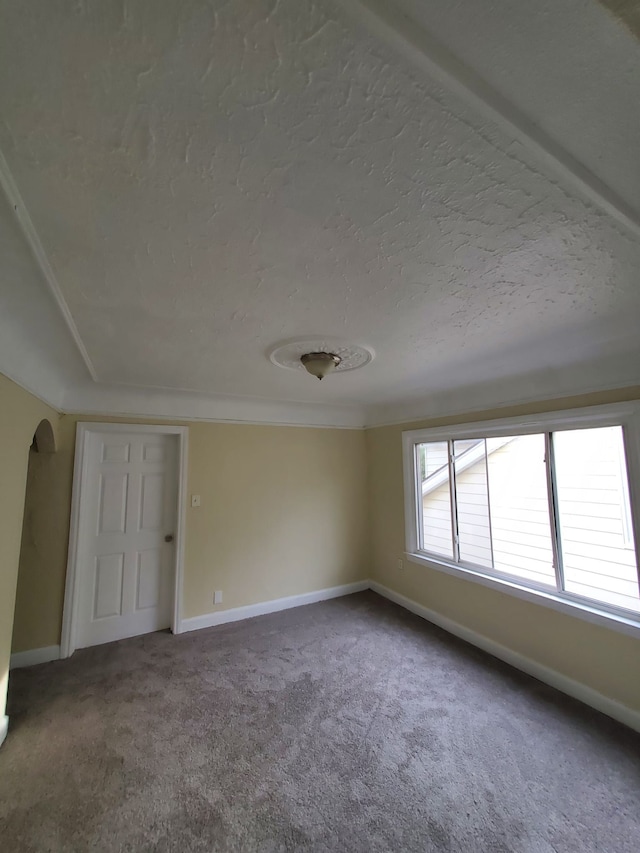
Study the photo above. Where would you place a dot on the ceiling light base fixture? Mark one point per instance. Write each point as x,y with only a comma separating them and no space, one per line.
320,356
319,364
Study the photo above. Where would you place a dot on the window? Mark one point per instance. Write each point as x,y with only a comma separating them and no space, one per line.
542,506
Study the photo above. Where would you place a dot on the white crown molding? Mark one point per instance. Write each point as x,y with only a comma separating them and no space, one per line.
101,400
16,201
126,401
394,27
96,399
49,393
499,395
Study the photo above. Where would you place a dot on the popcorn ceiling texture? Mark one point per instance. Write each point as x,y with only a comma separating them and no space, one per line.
221,176
570,66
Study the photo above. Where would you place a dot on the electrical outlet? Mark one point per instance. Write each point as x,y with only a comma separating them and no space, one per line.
195,500
217,596
400,565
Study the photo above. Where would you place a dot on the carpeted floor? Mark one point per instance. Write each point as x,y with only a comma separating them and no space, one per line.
349,725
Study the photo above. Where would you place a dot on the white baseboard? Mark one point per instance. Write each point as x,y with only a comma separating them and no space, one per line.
577,690
234,614
33,656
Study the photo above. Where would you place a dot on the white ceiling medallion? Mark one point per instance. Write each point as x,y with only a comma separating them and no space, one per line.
305,355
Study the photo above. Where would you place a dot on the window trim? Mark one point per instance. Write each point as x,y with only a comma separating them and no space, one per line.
625,414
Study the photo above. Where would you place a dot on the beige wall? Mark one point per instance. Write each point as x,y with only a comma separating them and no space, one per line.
283,511
599,658
43,550
20,414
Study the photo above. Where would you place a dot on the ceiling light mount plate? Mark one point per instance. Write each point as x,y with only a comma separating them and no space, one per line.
288,354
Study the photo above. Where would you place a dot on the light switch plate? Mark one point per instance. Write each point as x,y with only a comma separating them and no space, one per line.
195,500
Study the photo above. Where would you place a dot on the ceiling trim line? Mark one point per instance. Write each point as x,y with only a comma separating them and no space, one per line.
424,50
30,389
16,201
533,400
189,419
119,402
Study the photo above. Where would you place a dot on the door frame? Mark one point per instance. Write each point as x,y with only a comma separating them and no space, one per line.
80,474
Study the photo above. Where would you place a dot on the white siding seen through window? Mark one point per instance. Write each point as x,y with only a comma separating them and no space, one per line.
548,509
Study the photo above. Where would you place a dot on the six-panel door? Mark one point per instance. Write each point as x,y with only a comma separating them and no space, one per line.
126,566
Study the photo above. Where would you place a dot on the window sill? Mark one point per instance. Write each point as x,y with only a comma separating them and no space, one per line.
553,600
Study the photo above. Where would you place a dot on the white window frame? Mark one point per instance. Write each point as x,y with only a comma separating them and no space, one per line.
626,415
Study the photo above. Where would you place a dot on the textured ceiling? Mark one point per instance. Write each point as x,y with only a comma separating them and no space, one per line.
208,179
570,66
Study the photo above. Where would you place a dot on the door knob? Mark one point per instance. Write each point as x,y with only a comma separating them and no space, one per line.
168,537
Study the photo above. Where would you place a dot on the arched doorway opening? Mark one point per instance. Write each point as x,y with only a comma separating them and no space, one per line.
39,593
44,441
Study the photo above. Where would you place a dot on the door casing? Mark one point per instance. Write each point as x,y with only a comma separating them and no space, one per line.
71,595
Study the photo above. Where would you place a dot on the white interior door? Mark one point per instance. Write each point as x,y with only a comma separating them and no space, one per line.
126,536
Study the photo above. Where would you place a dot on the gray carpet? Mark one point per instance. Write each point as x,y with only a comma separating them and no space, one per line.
349,725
